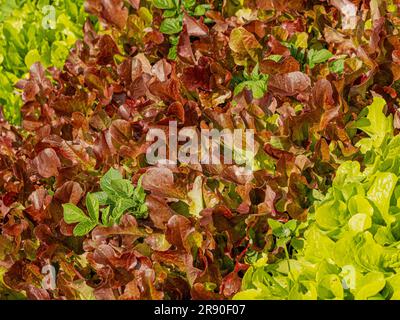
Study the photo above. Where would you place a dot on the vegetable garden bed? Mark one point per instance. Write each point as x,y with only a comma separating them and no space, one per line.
311,211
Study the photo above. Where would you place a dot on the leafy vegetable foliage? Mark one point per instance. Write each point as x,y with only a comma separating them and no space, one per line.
117,196
255,82
32,31
259,65
350,244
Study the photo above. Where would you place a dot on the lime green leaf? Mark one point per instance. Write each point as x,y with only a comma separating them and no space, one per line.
394,286
275,225
171,25
122,187
376,124
121,206
188,3
297,244
105,181
359,204
318,56
105,216
381,192
102,197
337,66
169,13
32,57
92,205
370,285
360,222
330,287
348,172
301,40
201,9
275,57
84,227
73,214
164,4
329,214
306,290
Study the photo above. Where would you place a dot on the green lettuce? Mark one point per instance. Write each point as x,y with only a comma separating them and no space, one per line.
32,31
351,242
